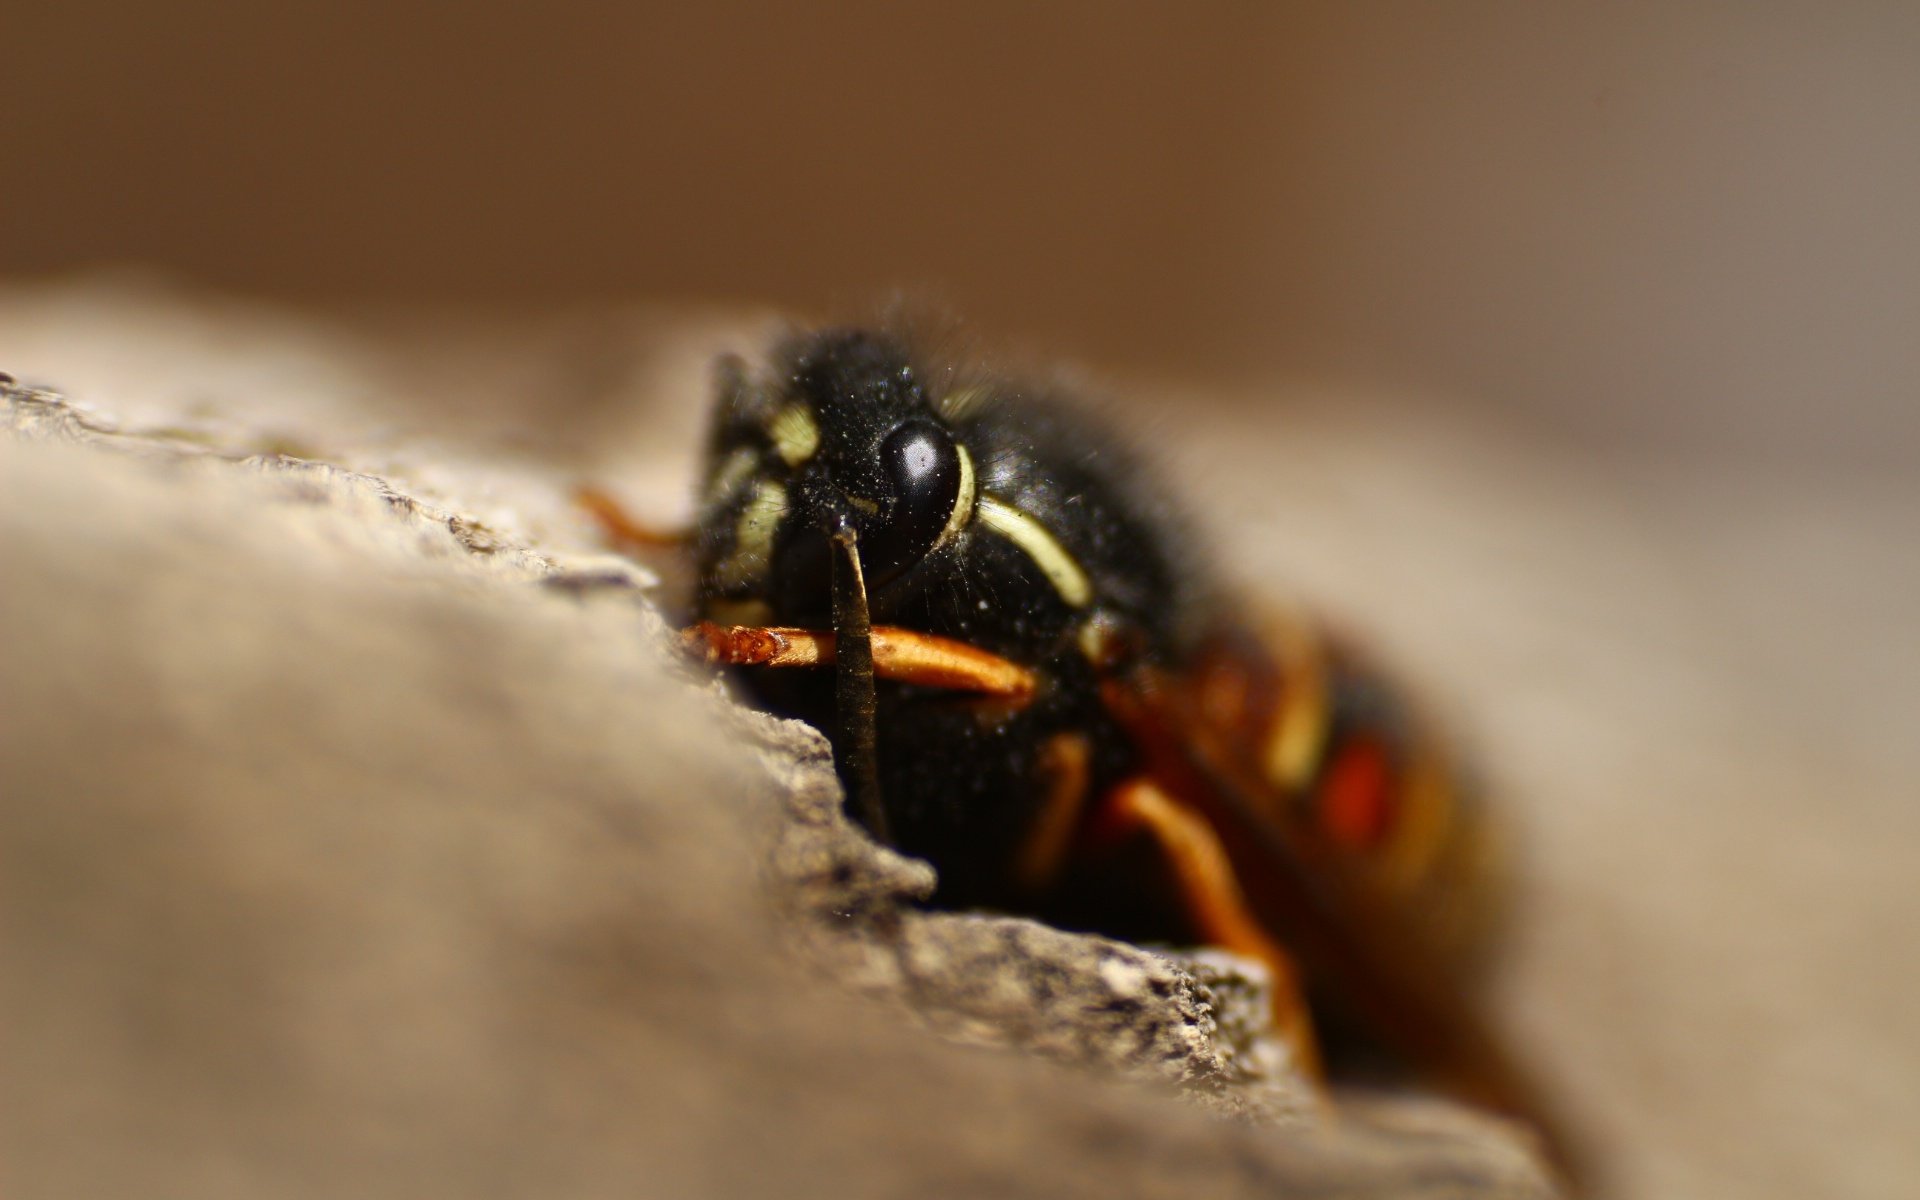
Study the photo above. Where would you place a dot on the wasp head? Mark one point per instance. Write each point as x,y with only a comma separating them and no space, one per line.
840,438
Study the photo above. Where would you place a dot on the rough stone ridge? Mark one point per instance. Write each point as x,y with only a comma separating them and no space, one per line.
341,857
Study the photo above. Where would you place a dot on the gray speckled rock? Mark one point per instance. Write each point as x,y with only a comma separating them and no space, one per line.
982,979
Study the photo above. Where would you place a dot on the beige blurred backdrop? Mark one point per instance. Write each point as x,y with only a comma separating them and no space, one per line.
1686,222
1584,338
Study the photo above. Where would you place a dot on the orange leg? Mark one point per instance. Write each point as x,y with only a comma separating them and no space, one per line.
1216,904
621,528
898,654
1066,763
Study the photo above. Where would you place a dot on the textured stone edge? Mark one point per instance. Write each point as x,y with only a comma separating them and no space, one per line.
1190,1023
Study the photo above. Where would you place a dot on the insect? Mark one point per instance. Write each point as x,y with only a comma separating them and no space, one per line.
1032,679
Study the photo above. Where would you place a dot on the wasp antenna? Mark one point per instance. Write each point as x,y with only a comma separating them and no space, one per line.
858,759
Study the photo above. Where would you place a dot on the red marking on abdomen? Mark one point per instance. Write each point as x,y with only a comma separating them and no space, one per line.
1356,805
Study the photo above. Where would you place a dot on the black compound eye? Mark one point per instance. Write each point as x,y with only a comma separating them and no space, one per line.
925,470
923,467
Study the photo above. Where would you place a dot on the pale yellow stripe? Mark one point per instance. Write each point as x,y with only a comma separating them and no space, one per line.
962,403
962,501
795,433
739,612
1039,545
753,535
1423,826
733,473
1299,734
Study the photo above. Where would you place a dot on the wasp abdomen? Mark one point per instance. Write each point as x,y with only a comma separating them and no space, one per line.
1350,764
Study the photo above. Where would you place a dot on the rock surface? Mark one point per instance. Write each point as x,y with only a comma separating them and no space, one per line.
340,856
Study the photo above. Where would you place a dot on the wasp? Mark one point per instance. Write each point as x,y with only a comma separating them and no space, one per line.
1032,678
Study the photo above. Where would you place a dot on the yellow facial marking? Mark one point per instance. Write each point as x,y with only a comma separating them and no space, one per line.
733,471
753,536
963,402
1039,545
740,612
795,434
962,501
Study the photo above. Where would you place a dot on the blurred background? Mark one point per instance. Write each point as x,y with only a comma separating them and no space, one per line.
1685,222
1625,298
